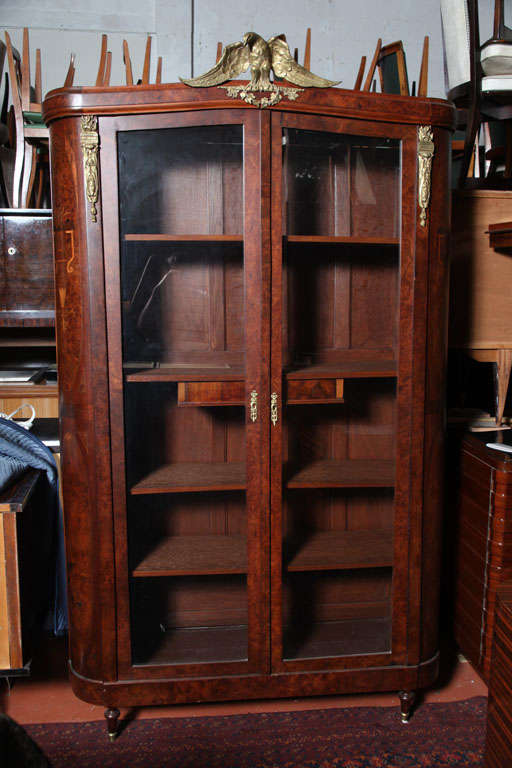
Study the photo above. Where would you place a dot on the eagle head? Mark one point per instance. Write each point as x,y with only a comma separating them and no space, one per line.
250,38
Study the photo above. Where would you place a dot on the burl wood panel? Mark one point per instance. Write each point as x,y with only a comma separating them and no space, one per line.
194,393
27,264
85,437
435,394
327,391
484,556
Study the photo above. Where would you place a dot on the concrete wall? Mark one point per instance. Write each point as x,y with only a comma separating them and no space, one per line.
186,33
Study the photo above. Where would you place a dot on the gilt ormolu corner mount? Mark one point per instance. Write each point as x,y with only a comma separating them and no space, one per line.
261,56
425,155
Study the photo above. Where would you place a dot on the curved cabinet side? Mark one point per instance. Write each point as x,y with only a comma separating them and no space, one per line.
437,336
81,346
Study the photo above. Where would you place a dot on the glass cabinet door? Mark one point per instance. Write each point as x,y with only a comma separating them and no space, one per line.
335,349
186,500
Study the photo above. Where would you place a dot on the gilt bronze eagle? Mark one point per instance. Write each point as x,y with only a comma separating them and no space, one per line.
261,56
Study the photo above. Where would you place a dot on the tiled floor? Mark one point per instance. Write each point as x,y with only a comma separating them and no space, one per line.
47,697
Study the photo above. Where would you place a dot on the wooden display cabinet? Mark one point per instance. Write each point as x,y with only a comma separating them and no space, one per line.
251,333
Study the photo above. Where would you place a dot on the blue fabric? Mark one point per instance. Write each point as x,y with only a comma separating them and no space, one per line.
19,450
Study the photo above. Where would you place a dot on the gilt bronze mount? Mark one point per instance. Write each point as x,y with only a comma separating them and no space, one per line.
261,57
89,141
425,155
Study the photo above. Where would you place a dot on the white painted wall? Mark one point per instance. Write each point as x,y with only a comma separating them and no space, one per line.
188,31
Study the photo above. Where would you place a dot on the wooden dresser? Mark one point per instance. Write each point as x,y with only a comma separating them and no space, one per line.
251,323
484,543
24,575
498,744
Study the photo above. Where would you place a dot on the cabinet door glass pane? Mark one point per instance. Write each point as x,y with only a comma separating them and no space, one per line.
183,328
341,268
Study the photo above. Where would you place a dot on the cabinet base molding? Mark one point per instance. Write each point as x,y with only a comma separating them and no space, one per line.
128,693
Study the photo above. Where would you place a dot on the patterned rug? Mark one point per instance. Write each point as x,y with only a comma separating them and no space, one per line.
438,736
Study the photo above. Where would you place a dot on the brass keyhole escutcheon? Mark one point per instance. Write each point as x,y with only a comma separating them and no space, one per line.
253,405
273,409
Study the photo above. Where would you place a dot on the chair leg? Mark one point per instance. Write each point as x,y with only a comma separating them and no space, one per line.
508,150
18,170
27,172
39,192
469,143
32,179
503,368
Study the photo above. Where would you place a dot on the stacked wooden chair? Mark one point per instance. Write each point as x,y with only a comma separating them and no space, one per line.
28,135
389,62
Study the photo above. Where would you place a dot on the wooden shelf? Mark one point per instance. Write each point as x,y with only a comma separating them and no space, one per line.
500,235
153,238
339,638
357,369
190,477
29,390
194,556
29,341
350,473
336,550
187,373
27,318
196,646
346,239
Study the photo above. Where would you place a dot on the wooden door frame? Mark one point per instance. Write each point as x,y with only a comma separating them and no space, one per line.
406,587
256,285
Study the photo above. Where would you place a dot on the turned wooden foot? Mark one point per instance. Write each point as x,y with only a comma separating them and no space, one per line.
406,702
112,716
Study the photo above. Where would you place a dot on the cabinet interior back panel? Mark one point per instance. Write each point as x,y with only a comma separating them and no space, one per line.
334,596
191,601
341,185
308,511
339,297
182,180
363,427
155,518
182,300
158,431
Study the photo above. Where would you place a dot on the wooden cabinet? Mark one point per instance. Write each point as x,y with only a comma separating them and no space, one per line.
251,333
24,572
27,311
498,737
483,553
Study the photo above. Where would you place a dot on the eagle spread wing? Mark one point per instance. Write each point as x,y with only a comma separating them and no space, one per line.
285,66
233,62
